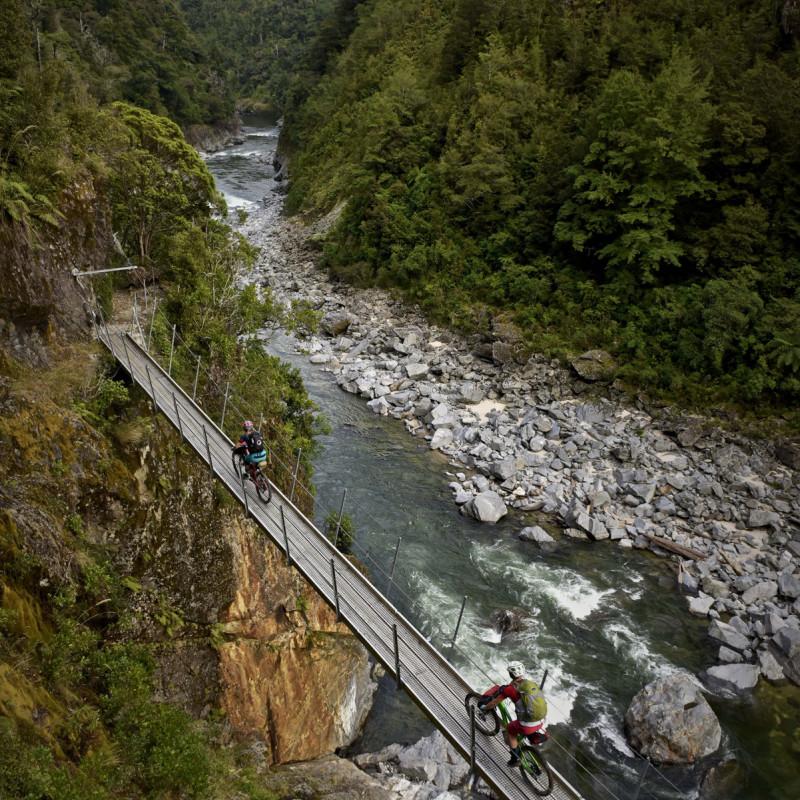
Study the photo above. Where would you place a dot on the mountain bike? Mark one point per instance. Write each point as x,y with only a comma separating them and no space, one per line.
255,472
532,764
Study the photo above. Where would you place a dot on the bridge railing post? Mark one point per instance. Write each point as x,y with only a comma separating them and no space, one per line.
208,452
294,476
152,323
394,564
127,354
335,590
339,518
396,656
136,317
171,351
458,623
196,378
177,415
285,538
472,738
152,390
244,495
224,406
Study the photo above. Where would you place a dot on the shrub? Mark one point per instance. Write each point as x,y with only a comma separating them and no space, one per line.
340,531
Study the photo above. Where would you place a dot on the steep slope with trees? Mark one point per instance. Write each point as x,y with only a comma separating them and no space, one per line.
143,623
619,175
260,44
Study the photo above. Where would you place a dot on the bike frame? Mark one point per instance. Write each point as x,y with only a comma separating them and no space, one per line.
505,715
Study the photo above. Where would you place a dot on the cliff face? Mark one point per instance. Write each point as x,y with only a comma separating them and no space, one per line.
38,289
233,629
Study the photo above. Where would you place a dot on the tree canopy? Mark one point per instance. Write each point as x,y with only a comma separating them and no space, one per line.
618,174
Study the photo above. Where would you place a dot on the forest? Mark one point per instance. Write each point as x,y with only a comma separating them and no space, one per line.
613,174
260,45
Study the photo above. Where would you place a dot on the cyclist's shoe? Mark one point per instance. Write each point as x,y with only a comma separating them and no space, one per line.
513,761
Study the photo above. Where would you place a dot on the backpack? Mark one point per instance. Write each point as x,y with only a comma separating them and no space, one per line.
533,700
255,442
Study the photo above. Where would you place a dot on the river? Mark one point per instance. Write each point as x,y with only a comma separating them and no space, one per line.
601,621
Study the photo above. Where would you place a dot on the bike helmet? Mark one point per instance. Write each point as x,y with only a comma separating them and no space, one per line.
247,425
516,669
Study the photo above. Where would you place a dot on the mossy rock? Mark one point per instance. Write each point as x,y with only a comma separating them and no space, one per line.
595,365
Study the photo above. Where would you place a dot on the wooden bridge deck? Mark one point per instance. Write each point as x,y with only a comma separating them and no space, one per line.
434,684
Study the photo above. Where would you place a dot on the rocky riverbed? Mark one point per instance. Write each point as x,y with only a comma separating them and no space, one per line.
526,433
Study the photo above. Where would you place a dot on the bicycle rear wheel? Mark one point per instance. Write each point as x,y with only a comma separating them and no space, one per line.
535,771
263,488
487,722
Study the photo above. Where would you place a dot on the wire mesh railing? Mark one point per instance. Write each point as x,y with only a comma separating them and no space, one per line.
286,465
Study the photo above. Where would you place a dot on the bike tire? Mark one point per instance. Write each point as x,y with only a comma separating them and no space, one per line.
535,771
263,489
487,722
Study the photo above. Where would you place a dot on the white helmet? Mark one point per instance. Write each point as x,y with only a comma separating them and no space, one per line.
516,669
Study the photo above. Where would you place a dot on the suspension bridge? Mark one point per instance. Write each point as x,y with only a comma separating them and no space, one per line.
416,665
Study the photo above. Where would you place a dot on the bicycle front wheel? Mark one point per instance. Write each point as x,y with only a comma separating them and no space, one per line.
486,722
535,771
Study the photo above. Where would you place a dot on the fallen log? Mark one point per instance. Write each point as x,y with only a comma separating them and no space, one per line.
678,549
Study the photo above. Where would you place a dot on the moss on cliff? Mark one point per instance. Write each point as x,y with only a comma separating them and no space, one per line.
133,600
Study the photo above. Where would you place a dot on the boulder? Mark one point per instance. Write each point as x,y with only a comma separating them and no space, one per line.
787,640
765,590
761,519
595,365
770,668
416,371
486,507
432,760
509,620
471,393
644,491
728,635
538,535
442,438
504,469
335,324
670,722
503,352
701,605
732,678
789,585
788,453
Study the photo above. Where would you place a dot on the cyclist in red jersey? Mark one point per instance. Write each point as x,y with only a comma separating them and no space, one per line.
529,704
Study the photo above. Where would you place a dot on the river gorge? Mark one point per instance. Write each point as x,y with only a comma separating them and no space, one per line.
603,620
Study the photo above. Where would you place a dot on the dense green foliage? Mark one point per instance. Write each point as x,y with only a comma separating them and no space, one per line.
61,63
260,44
617,174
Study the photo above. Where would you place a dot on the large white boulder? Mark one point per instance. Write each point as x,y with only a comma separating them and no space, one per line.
486,507
670,722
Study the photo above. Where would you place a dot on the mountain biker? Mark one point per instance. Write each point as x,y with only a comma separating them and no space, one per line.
529,703
251,445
